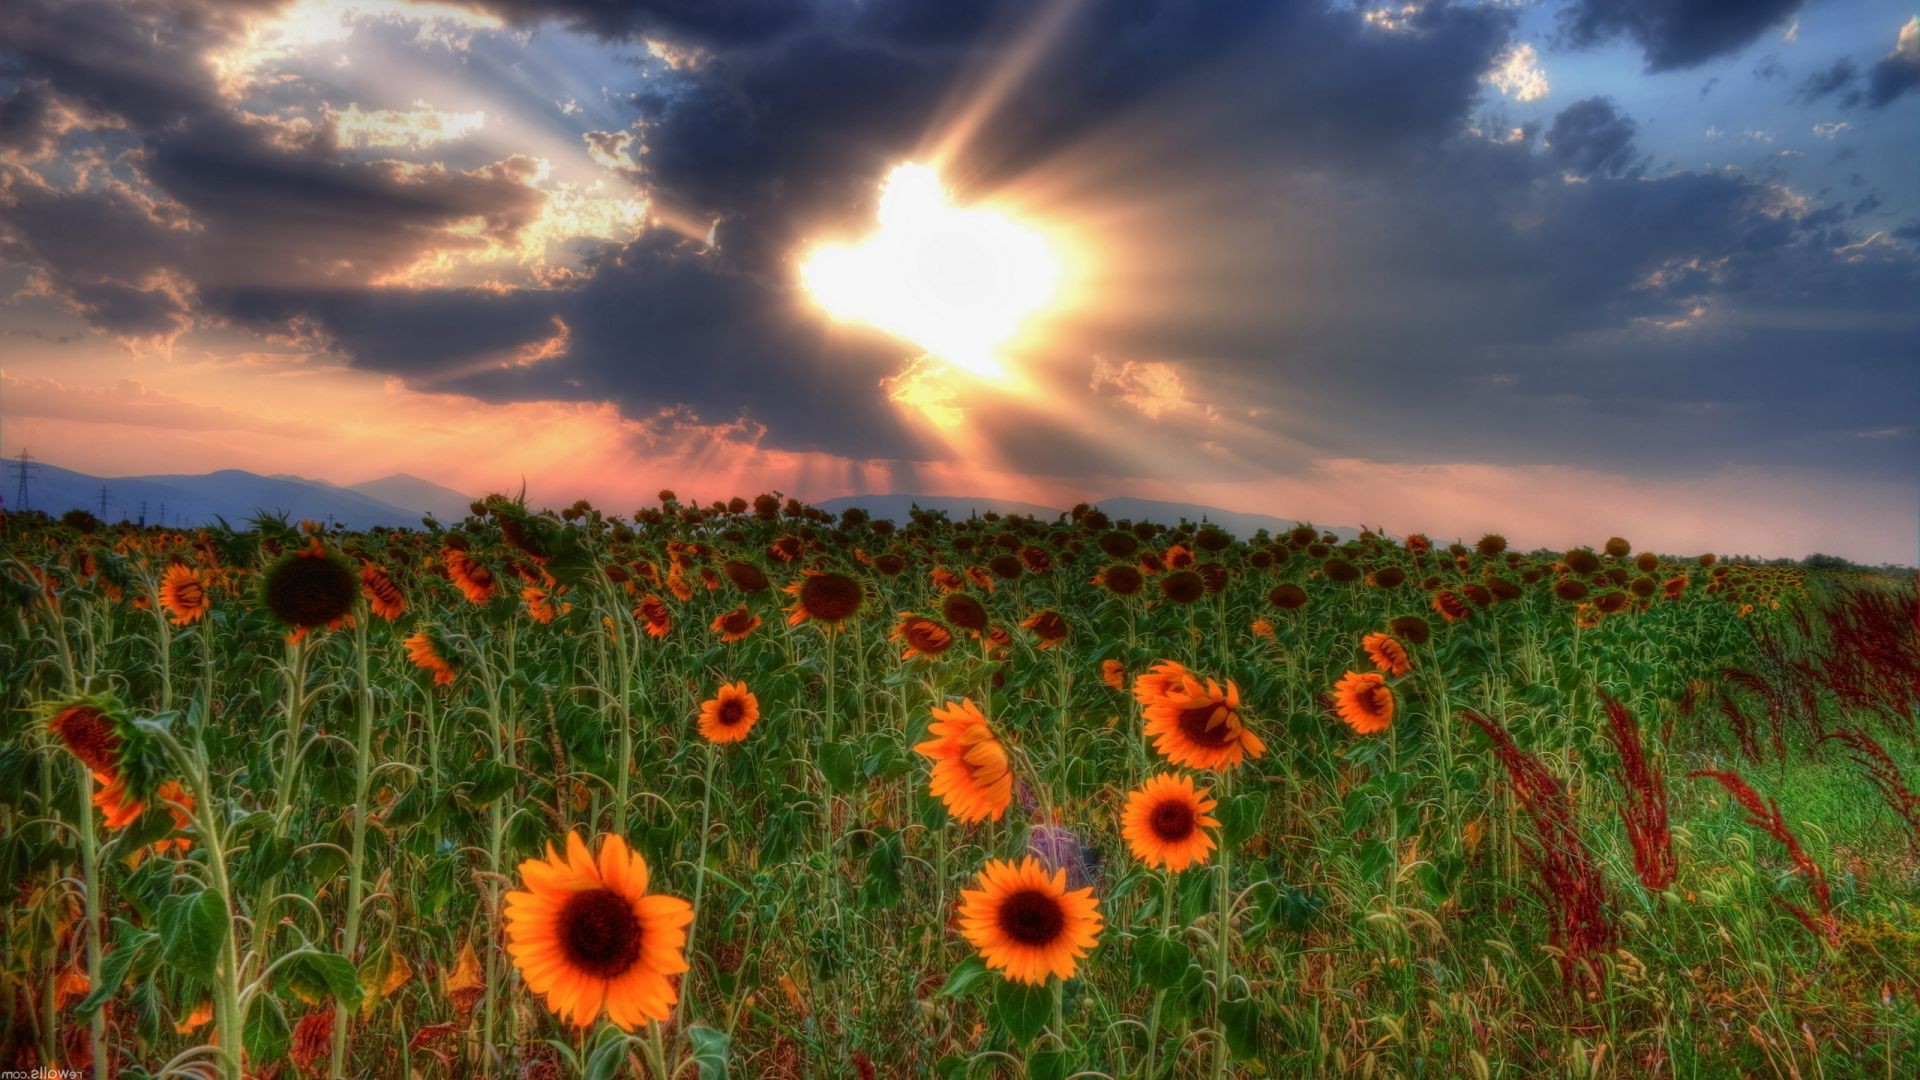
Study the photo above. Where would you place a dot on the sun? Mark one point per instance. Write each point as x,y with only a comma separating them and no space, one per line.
960,282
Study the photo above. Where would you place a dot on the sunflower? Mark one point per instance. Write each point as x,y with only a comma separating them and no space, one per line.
735,625
1287,596
1674,587
1183,586
1048,626
1450,607
1114,674
91,734
1195,723
653,611
475,581
1364,701
427,655
118,805
745,576
964,611
1387,654
184,594
587,937
1263,628
1120,579
383,596
1025,923
539,604
972,774
829,598
1165,822
981,578
921,636
309,588
730,714
946,580
1411,628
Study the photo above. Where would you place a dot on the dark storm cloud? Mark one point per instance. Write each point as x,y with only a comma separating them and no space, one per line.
686,22
1592,137
1832,79
1891,76
1675,34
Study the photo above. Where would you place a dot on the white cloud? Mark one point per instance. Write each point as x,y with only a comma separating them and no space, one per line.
1830,128
1517,74
421,126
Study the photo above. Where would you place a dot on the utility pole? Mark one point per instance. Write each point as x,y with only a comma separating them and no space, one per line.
24,468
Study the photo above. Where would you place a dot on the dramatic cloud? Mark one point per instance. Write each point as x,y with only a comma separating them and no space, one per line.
1676,33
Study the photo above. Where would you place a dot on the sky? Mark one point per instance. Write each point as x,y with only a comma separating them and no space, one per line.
1562,270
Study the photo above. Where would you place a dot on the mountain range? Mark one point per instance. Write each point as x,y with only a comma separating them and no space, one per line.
402,500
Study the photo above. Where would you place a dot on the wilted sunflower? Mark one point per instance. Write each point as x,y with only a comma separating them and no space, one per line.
1114,674
1387,654
921,636
980,577
183,592
829,598
1450,607
735,625
745,576
540,604
1674,587
972,774
1026,924
1194,723
1165,822
1411,628
730,714
946,580
103,735
587,936
654,612
1048,626
309,588
383,596
1364,701
426,654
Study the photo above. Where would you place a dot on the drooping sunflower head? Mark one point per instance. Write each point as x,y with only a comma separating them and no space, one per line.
1026,924
183,593
309,588
729,715
972,773
654,612
1193,722
589,938
89,733
383,596
1049,626
921,636
104,736
428,653
1411,629
1387,654
735,625
964,611
1114,674
829,598
1450,607
1287,596
1365,701
1165,822
745,576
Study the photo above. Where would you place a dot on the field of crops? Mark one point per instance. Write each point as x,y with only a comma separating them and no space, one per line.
749,790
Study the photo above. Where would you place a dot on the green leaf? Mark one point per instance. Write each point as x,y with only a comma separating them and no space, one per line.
114,967
839,764
1241,1021
1162,960
607,1055
1022,1009
1047,1065
965,978
333,973
1242,817
710,1050
266,1035
192,929
492,779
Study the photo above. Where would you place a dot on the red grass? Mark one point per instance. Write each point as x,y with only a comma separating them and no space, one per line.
1570,882
1764,814
1644,812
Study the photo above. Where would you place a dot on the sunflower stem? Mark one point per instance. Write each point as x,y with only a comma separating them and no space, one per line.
1224,931
90,878
356,856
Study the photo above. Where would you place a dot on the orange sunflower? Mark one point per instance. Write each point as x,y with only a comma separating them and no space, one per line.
735,625
1195,723
827,597
427,655
1165,822
383,596
1114,674
587,936
653,611
730,714
1048,626
183,592
971,771
1450,607
921,636
476,582
1364,701
1387,654
1025,923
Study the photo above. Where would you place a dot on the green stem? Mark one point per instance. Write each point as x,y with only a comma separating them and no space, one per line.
356,859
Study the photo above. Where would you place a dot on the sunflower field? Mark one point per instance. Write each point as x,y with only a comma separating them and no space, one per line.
751,790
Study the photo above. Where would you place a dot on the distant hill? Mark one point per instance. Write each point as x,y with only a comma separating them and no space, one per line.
895,508
420,496
230,494
1239,524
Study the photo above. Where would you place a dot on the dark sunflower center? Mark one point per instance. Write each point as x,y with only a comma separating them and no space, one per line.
1183,587
831,597
310,591
964,611
732,711
1032,917
1171,820
1197,725
738,622
90,737
600,933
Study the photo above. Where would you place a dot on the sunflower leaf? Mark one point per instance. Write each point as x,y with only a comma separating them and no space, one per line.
710,1050
965,978
1162,960
192,928
1022,1009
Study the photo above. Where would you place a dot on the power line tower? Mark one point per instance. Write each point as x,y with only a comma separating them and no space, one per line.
103,502
143,513
23,468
